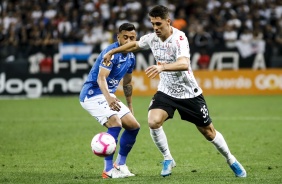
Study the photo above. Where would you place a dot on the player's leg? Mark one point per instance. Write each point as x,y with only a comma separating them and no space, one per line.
159,111
156,117
127,141
108,118
220,144
195,110
114,127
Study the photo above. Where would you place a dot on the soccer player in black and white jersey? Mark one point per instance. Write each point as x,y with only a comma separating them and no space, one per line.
177,90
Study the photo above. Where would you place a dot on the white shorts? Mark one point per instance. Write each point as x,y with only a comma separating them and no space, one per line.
98,107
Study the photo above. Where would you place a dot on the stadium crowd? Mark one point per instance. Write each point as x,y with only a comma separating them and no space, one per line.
29,26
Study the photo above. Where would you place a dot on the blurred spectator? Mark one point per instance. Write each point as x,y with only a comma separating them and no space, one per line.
234,22
89,37
121,19
202,39
9,18
278,40
50,12
179,22
246,36
64,27
212,4
269,34
230,37
36,13
105,11
204,60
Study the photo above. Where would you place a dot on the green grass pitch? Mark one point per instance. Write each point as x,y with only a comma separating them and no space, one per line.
47,140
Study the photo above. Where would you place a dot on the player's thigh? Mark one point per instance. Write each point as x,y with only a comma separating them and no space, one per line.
195,110
98,107
129,122
161,108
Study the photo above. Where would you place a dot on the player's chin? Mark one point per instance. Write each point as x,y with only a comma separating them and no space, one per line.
158,34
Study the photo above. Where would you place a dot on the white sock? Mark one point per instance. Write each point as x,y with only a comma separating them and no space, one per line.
221,145
160,140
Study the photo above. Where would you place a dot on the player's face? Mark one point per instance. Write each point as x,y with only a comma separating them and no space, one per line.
161,27
126,37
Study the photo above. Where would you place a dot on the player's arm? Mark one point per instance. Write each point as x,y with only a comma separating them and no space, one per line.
102,82
181,64
127,89
128,47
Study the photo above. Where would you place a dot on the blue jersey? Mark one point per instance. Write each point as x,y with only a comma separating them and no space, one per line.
120,65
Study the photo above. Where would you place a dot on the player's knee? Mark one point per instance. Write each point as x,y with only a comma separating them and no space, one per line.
208,132
154,123
209,135
131,125
113,121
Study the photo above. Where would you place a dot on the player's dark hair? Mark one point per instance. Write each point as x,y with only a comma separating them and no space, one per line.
159,11
126,27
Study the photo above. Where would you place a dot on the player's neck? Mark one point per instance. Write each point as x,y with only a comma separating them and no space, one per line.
166,36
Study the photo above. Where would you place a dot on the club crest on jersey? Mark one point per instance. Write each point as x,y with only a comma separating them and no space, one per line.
181,38
169,51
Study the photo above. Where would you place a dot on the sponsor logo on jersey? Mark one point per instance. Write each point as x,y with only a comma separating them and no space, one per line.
176,90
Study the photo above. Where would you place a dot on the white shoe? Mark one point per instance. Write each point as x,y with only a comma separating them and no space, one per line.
113,173
167,167
123,169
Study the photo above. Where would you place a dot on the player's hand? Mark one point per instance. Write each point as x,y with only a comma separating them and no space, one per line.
153,71
114,103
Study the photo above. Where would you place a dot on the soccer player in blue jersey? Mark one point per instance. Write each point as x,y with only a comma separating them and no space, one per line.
98,98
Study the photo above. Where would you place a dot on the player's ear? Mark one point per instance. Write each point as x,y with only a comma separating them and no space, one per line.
168,21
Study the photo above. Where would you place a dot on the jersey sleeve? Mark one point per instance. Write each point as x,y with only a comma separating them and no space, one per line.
108,65
144,41
182,45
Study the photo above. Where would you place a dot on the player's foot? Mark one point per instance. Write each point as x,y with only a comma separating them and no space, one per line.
123,169
113,173
238,169
167,167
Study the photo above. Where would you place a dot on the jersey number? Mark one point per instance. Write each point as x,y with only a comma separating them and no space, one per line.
205,111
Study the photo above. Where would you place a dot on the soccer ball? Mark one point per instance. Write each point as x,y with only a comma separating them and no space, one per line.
103,144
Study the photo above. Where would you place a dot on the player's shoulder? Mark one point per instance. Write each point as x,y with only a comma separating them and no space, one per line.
111,46
148,36
178,34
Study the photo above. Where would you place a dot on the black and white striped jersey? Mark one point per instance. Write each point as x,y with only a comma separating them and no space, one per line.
178,84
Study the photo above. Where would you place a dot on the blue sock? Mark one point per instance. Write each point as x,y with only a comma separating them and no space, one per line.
108,161
127,141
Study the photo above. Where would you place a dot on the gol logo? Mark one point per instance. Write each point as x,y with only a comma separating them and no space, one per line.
270,81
